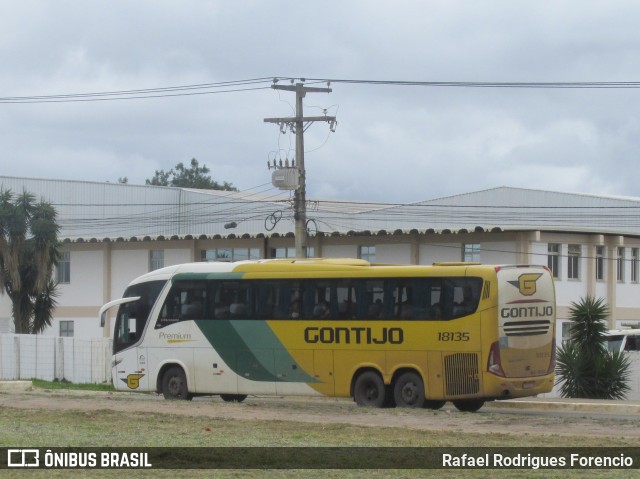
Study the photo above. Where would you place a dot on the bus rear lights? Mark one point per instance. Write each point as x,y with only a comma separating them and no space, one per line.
552,363
494,365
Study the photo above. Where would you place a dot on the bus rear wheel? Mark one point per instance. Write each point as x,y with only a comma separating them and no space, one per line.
369,390
409,390
174,385
469,405
233,397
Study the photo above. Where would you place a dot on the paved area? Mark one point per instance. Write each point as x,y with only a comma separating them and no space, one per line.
573,405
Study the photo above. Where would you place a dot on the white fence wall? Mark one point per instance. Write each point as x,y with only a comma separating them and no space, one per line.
27,356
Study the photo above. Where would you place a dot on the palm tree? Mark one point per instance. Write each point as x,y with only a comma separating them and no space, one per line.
28,254
585,368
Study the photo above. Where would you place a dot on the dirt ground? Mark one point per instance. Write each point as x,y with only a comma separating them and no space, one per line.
328,410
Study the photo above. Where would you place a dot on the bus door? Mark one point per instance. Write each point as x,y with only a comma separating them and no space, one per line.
130,370
130,359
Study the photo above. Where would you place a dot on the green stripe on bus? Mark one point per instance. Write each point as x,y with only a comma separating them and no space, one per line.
252,350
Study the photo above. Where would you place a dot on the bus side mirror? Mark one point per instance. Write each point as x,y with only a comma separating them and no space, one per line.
102,314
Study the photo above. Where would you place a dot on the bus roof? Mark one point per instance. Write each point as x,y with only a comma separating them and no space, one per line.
317,265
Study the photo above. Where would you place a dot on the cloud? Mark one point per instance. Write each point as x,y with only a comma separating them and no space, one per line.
396,144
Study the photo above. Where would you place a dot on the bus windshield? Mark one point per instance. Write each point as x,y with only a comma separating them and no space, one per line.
132,317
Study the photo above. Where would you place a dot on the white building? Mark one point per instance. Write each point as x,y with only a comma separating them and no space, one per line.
112,233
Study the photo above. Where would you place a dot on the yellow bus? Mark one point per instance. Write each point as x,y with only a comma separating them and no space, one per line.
384,335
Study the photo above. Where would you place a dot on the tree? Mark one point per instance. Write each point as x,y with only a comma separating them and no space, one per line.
28,254
585,368
195,176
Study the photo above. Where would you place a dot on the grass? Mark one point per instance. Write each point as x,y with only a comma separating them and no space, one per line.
107,428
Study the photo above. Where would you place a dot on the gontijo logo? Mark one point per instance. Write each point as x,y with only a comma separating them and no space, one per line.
132,380
526,283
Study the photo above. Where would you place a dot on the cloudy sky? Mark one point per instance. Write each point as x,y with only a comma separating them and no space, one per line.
392,143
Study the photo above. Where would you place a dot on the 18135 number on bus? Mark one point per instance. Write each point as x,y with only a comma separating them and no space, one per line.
453,336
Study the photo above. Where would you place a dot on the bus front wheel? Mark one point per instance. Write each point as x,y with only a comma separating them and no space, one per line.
469,405
409,390
174,384
369,390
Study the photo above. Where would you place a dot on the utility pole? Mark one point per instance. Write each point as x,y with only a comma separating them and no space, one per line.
298,125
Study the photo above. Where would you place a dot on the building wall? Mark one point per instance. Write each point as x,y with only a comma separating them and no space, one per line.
339,251
394,253
434,253
101,271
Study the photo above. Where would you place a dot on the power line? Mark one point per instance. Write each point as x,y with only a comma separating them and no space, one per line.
471,84
162,92
235,86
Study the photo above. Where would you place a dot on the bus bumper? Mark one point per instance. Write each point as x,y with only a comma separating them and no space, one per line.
510,388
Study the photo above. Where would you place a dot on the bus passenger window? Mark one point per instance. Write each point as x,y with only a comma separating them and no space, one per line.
345,297
321,310
375,309
222,301
192,305
370,299
465,295
295,307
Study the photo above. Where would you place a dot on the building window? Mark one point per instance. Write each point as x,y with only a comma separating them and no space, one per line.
63,270
634,264
283,252
600,263
573,261
66,329
471,253
553,259
156,259
290,252
228,255
566,328
620,265
367,253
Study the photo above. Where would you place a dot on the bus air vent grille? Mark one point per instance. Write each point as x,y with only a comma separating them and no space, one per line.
527,328
486,290
461,374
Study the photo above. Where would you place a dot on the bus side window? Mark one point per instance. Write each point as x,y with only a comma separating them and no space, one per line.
295,310
169,313
192,305
370,299
345,300
405,302
320,300
465,296
433,294
222,301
